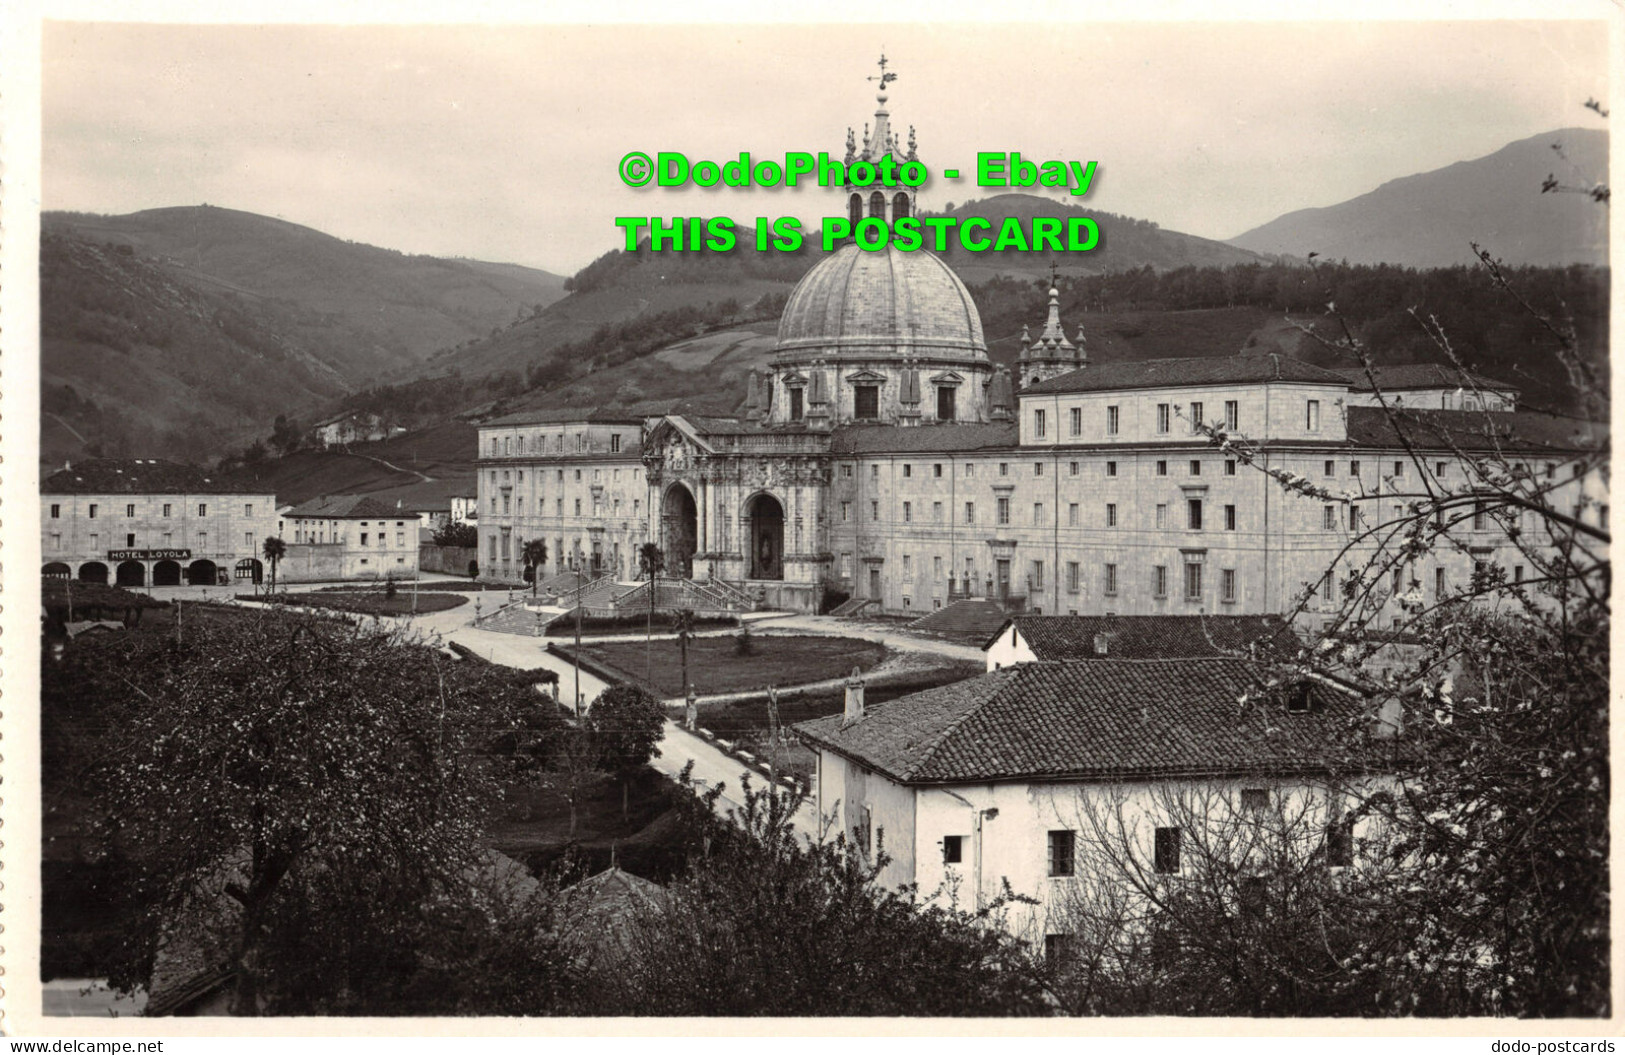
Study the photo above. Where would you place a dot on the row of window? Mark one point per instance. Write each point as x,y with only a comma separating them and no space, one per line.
1165,415
168,539
1193,514
510,445
129,510
1073,469
1167,843
507,506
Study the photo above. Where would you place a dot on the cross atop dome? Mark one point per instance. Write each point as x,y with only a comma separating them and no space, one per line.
885,78
873,199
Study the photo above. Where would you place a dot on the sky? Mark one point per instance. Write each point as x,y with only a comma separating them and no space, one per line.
502,142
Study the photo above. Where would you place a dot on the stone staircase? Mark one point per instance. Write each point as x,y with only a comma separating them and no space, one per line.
515,618
852,606
971,618
673,594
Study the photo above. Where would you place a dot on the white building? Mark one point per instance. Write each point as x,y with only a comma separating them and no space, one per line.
1003,778
342,537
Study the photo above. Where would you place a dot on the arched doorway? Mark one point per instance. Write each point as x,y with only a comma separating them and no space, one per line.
93,571
201,573
250,568
766,517
166,573
57,570
679,530
132,573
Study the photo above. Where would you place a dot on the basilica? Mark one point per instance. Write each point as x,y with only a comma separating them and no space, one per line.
885,462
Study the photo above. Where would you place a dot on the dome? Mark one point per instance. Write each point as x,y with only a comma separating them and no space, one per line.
862,303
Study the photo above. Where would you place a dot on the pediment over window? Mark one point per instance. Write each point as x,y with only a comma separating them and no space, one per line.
794,379
865,377
947,377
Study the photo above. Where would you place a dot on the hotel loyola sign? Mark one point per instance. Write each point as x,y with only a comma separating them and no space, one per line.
149,554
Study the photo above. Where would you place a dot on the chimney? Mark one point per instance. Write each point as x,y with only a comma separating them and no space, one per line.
1102,645
854,699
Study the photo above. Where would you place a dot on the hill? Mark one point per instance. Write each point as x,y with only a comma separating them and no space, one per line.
1429,219
177,330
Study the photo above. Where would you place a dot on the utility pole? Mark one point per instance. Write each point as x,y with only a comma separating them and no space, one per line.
578,653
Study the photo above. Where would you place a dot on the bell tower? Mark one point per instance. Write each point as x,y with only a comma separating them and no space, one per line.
1052,354
877,200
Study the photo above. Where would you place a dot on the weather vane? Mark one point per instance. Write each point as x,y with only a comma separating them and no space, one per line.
1054,274
884,78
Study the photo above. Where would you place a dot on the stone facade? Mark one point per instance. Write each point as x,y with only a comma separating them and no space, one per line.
348,537
144,522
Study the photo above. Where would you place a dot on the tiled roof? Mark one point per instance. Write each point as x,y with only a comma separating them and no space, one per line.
975,617
347,506
1063,637
1417,375
922,439
139,476
1476,430
1182,373
564,416
1108,719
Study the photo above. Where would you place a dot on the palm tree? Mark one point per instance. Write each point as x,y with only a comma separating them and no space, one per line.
651,561
275,549
535,553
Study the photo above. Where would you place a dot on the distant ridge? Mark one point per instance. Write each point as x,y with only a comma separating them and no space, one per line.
1430,219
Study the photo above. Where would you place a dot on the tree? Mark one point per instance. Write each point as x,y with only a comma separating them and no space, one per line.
766,922
651,562
296,768
274,549
625,723
535,554
685,632
457,536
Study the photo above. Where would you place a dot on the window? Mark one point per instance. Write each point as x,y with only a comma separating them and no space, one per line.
1162,418
936,567
1478,515
936,470
970,469
1072,576
129,540
1072,469
578,507
866,402
1312,416
1038,423
1354,469
1255,800
945,403
91,513
1038,469
970,512
908,566
1062,853
936,512
1328,517
1193,580
1111,580
1159,581
581,445
846,471
1038,575
363,538
1111,514
56,512
1229,467
1196,467
1340,843
615,443
166,509
1072,515
1438,583
1111,468
1038,514
1004,511
1230,518
1329,468
908,470
1167,851
795,404
953,846
203,510
1196,417
129,510
874,510
1076,420
1162,516
908,512
1517,573
1162,468
1111,421
1354,517
1227,585
400,538
1232,414
1193,511
1399,468
1004,468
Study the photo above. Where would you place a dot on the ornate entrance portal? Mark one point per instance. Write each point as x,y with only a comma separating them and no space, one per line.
679,531
766,518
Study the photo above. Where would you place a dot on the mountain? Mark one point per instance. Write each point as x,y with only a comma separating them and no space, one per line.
1428,220
172,331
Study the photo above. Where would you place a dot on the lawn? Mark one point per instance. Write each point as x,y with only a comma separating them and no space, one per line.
371,602
716,664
